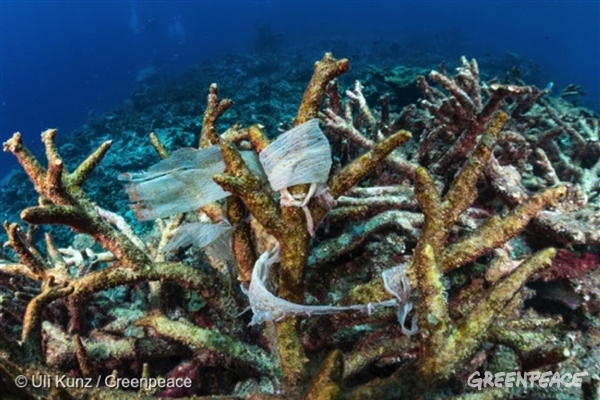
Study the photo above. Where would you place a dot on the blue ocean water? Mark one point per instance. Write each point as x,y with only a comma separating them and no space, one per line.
63,62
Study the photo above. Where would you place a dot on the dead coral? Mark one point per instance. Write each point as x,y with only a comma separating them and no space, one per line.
432,206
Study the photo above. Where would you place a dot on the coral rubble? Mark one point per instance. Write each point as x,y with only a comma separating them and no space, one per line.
480,188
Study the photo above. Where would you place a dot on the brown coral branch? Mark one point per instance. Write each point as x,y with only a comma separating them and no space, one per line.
159,146
329,250
241,240
530,340
32,322
215,107
19,270
33,169
201,338
25,251
467,140
187,277
462,191
294,238
239,180
372,349
496,231
433,317
56,258
440,216
326,384
69,205
452,88
347,129
84,170
85,364
359,168
325,70
258,138
484,313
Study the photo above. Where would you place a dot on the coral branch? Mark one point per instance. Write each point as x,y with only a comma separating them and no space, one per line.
362,166
239,180
199,338
325,70
32,322
214,109
496,231
461,193
326,384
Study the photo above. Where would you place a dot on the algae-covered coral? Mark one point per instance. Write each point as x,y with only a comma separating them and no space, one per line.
473,192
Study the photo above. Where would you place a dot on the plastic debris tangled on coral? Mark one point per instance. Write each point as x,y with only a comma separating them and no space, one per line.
456,218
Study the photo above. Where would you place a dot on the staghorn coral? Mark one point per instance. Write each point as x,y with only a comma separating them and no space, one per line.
444,206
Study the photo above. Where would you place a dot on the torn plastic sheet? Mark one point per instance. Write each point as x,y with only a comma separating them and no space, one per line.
267,307
300,155
180,183
199,234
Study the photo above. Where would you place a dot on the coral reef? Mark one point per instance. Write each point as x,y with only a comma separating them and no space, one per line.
452,205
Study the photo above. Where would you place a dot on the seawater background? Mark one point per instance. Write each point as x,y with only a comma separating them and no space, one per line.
64,61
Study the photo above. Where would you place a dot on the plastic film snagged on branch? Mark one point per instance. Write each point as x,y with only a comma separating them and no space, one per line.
267,307
180,183
300,155
199,234
396,283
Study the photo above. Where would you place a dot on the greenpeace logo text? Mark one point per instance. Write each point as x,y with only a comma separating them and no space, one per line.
525,379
